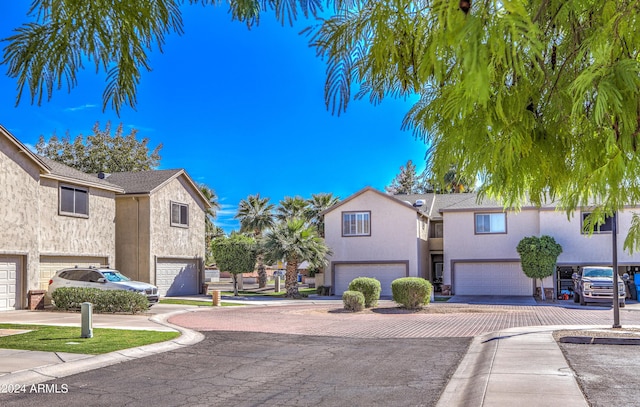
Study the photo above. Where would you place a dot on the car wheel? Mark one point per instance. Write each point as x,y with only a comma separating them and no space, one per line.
576,297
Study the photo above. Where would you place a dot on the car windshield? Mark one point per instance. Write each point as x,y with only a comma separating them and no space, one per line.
115,276
599,272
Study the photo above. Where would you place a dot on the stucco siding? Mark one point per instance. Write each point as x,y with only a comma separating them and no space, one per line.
77,236
582,249
424,264
462,243
133,236
171,240
174,241
19,221
394,234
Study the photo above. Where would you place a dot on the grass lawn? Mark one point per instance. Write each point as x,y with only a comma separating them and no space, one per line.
280,294
67,339
208,303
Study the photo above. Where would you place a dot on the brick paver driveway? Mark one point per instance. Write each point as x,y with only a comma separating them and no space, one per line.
307,355
387,321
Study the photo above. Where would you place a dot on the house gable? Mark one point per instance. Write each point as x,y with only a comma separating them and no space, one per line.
160,229
389,247
369,191
40,229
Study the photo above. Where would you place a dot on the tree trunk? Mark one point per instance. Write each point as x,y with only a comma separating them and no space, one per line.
262,273
542,296
235,284
291,279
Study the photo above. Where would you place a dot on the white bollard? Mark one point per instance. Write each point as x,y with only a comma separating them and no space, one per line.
86,309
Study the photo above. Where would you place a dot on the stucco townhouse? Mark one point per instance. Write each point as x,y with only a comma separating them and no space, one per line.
54,216
463,245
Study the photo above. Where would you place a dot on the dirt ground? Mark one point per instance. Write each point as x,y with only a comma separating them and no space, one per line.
607,374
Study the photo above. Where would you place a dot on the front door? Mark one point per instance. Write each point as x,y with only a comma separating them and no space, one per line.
438,273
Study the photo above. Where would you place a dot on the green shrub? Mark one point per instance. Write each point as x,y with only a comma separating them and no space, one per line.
122,301
411,292
369,287
353,301
71,298
68,298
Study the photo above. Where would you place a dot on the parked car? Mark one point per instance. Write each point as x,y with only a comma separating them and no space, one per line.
101,278
595,284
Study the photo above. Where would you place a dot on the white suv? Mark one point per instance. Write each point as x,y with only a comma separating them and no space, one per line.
103,279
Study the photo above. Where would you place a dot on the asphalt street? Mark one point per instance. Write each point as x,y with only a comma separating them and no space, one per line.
259,369
308,354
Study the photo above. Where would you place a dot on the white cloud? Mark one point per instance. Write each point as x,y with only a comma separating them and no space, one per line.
226,210
225,217
78,108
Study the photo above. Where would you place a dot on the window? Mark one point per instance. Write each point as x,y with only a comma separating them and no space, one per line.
491,223
74,201
76,275
606,227
436,230
356,224
179,214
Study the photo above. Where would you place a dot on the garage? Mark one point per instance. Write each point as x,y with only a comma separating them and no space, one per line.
10,272
494,278
175,277
343,274
50,264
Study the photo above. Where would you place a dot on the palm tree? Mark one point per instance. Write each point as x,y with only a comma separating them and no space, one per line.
455,183
291,208
210,230
256,216
295,241
318,204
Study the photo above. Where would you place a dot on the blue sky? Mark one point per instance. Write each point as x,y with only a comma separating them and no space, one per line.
241,110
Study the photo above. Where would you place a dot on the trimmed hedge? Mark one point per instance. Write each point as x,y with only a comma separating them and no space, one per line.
411,292
353,301
369,287
70,298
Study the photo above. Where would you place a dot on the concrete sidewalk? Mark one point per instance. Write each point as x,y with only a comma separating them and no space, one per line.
517,366
29,367
506,367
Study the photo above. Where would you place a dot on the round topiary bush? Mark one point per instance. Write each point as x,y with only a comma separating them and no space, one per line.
353,301
411,292
369,287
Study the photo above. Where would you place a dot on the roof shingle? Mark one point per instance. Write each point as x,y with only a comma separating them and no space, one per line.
141,182
64,171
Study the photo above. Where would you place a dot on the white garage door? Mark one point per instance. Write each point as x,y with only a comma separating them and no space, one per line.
177,277
50,264
491,279
385,273
9,274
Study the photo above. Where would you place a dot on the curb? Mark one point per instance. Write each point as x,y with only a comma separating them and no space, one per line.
594,340
59,370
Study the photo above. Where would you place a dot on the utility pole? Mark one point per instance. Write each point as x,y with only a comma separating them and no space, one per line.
616,304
